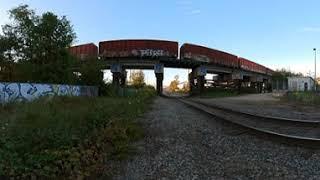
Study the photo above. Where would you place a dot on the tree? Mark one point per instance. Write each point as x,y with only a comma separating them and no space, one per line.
137,78
185,87
91,73
39,44
173,87
283,74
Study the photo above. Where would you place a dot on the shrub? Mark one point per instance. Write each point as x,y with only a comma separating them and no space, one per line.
67,136
308,98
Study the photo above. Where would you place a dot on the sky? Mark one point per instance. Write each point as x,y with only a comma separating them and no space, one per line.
274,33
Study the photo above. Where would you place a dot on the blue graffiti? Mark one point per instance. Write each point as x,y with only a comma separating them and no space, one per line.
10,92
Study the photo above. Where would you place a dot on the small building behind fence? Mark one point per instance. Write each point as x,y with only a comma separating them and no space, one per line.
293,84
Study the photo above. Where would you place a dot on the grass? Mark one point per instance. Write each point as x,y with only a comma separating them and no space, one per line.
305,98
68,136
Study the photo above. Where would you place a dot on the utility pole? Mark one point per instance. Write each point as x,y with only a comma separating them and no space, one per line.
315,69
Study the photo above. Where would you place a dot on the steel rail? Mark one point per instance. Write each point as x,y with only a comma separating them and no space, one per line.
257,115
298,130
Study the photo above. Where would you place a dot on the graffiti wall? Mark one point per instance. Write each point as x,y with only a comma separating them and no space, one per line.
10,92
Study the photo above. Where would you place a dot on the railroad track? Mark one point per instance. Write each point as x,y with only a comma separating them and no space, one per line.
306,130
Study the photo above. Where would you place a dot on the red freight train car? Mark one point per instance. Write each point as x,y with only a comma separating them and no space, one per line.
138,48
211,56
84,51
248,65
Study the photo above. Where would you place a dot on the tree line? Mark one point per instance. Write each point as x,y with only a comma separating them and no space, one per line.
283,73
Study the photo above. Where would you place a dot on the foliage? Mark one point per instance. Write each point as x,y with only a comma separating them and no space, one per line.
280,74
173,87
34,47
131,91
137,78
185,88
306,98
91,73
67,136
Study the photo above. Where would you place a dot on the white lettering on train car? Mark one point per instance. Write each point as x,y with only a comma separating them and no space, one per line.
135,53
153,53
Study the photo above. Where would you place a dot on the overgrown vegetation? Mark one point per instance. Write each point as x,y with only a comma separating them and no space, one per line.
62,136
306,98
68,136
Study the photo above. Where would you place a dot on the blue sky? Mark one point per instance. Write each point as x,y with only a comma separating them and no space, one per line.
275,33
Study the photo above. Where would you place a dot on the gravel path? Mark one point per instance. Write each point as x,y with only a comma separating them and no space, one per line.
182,143
265,104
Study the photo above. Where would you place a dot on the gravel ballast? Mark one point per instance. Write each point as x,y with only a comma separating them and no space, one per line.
265,105
183,143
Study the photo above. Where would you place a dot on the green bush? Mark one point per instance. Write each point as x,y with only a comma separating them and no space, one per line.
67,136
308,98
226,92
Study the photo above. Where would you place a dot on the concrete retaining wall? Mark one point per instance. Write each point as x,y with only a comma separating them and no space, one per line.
10,92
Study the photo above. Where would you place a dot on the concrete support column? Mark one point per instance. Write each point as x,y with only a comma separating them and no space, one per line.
237,76
158,71
239,83
201,72
200,83
116,74
253,85
159,77
259,87
116,78
191,81
123,78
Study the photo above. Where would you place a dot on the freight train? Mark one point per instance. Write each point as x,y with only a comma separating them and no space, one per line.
84,51
161,49
138,48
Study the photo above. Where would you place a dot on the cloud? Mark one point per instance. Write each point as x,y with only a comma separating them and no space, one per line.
195,11
310,29
188,7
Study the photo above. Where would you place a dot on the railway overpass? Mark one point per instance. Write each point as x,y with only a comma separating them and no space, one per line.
121,55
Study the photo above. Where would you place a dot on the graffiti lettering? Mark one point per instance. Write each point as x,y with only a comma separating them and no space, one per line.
152,53
136,53
10,92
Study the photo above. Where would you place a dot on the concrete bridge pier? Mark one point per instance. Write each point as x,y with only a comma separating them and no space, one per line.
158,71
117,72
238,85
116,78
199,74
159,77
191,81
257,80
237,76
200,83
123,78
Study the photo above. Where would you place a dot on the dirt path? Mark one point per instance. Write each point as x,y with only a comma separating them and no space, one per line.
182,143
